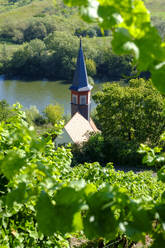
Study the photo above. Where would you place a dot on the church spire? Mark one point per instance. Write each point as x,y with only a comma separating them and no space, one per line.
80,43
80,88
80,80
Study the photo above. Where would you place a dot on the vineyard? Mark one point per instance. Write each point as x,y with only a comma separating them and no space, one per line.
44,202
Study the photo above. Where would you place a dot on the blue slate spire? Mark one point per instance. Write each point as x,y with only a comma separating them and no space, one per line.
80,80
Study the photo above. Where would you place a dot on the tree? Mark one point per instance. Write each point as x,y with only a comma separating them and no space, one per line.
129,116
91,67
113,67
28,60
133,112
35,30
90,31
64,48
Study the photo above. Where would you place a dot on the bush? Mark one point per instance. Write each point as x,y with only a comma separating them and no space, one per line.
5,110
116,150
90,32
35,30
90,151
39,120
91,67
54,113
122,152
32,114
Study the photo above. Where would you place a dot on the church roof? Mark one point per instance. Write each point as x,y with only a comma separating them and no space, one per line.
79,129
80,80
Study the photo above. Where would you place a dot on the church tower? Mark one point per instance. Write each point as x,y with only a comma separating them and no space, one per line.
81,89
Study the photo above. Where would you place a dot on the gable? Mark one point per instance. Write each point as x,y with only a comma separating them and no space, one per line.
79,129
63,138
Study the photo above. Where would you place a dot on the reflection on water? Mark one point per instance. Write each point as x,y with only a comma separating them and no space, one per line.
38,93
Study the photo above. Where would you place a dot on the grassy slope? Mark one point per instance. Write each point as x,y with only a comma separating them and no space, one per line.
10,48
20,14
157,7
6,5
25,12
37,8
17,15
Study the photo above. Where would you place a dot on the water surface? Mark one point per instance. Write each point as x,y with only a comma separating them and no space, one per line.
39,93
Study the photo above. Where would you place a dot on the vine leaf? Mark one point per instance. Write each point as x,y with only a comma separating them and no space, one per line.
11,164
17,195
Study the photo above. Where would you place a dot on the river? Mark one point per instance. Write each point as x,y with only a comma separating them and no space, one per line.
39,93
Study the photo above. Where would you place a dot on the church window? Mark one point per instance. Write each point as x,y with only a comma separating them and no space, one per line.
83,100
74,99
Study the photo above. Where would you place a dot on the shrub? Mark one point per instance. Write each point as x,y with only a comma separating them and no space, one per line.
91,67
39,120
53,113
5,110
89,31
90,151
32,113
35,30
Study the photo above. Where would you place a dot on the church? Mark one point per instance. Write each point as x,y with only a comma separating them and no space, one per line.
80,126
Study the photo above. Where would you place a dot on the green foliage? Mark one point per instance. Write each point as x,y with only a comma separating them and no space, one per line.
27,61
153,156
59,31
116,150
54,113
32,114
20,152
114,67
90,151
90,32
35,30
133,206
130,35
133,112
91,67
127,115
55,58
46,197
5,110
132,32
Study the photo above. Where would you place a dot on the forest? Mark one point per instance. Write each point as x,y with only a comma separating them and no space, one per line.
73,196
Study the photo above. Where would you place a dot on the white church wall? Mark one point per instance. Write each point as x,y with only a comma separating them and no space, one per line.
63,138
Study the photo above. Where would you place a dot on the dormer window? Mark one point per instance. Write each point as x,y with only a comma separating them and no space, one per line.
74,99
83,100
